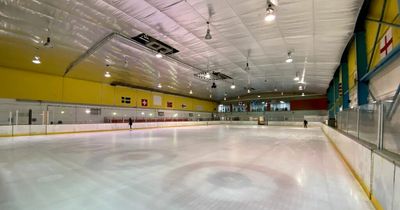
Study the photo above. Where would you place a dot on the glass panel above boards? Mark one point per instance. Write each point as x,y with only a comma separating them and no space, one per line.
240,107
224,108
259,106
255,106
280,106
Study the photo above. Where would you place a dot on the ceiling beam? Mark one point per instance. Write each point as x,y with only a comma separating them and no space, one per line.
112,36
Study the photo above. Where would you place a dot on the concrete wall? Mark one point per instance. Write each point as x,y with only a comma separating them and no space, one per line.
379,174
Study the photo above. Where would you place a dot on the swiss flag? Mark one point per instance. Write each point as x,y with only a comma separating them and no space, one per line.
144,102
169,104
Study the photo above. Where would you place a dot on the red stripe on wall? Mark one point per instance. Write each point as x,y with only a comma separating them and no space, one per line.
309,104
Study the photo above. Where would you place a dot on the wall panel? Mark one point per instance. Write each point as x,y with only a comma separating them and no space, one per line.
18,84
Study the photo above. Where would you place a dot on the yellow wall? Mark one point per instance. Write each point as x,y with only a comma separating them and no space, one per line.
17,84
352,65
390,16
352,62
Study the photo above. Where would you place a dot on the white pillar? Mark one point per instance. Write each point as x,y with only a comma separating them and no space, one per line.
10,119
44,117
16,117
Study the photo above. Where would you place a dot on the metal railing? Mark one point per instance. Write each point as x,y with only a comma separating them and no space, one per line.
34,114
372,123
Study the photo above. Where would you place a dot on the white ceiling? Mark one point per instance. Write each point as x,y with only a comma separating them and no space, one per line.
317,30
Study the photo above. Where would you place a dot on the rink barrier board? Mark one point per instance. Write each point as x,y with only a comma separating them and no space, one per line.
380,199
27,130
349,167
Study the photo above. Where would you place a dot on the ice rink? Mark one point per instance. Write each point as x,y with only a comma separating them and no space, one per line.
204,167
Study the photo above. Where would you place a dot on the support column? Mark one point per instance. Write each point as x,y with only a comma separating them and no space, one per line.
331,101
336,91
345,85
362,68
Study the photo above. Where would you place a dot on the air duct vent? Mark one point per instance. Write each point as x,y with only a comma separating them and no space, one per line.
212,75
154,44
249,88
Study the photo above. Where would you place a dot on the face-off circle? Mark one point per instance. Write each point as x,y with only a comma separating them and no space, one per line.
124,160
221,184
82,148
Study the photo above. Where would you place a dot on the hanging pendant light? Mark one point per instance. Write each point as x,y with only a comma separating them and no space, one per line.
297,78
107,74
159,55
36,60
289,58
247,68
269,13
208,34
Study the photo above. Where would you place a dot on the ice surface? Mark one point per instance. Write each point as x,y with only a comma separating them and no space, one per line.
204,167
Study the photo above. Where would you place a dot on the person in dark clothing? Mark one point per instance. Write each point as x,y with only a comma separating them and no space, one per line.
305,123
130,121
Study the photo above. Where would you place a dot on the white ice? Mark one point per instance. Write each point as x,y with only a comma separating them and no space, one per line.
204,167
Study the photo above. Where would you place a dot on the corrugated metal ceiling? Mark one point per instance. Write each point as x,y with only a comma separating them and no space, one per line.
316,30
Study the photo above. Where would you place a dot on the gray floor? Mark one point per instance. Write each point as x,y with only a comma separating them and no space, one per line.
205,167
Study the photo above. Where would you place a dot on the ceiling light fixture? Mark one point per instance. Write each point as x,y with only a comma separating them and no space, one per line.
107,74
159,85
126,61
87,111
190,92
297,78
247,68
159,55
36,60
248,90
48,43
270,12
210,96
289,58
302,94
208,34
258,96
224,98
300,87
282,102
208,76
233,86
